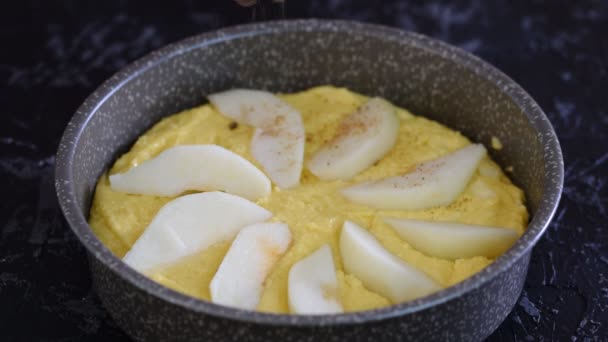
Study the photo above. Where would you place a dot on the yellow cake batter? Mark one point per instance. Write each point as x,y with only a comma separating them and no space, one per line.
314,210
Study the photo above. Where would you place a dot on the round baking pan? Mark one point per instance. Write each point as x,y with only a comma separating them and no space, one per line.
428,77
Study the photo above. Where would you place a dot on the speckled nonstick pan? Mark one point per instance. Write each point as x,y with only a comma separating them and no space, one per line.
426,76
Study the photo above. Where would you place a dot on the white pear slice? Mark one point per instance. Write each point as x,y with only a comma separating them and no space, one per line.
255,108
363,138
239,280
379,270
189,224
281,154
313,285
453,240
432,183
194,167
278,141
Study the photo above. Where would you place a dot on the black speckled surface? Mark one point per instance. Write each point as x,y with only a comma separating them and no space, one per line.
58,52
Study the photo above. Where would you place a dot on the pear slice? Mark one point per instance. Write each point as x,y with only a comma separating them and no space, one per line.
432,183
362,138
278,141
379,270
449,240
313,285
194,167
280,151
239,280
189,224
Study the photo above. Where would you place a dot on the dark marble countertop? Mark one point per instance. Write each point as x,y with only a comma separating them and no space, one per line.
54,53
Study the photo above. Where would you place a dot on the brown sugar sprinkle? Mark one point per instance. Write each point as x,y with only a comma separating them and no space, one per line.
459,204
271,252
245,112
233,125
293,141
330,292
271,131
274,128
353,125
427,169
357,123
279,120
